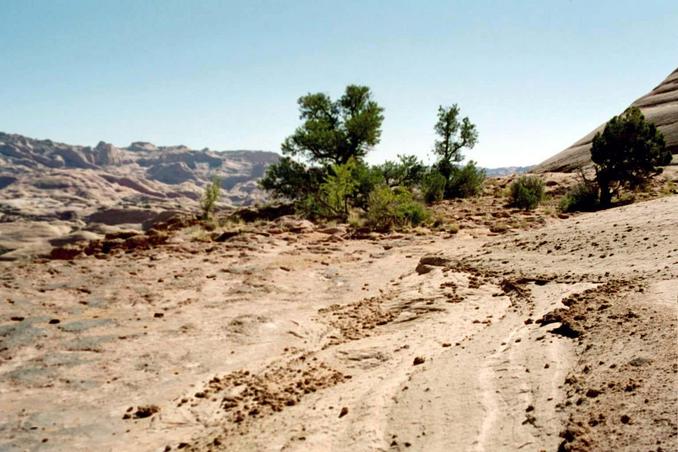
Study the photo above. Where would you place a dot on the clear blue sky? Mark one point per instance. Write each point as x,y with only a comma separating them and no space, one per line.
533,75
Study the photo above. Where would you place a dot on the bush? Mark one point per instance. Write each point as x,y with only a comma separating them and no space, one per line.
337,192
465,181
433,186
388,208
582,197
366,178
209,198
526,192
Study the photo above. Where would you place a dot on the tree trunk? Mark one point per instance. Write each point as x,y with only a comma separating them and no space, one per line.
605,193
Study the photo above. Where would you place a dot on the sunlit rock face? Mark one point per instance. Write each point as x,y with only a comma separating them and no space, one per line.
660,106
42,179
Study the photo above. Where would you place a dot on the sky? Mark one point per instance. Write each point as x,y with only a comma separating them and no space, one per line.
534,76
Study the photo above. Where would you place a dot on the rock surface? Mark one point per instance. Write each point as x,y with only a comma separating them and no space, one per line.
660,106
281,340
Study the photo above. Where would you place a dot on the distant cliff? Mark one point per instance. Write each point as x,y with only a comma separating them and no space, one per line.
41,178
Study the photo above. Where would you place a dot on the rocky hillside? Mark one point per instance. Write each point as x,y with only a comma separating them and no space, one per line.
506,171
660,106
41,179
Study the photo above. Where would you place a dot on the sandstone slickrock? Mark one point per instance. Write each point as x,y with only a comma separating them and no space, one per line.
659,106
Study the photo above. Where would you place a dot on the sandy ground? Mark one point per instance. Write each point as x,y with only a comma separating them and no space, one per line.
561,335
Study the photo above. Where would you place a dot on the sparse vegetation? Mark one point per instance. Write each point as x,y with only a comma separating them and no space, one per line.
210,198
465,181
337,192
583,197
627,153
408,171
292,180
526,192
433,186
390,208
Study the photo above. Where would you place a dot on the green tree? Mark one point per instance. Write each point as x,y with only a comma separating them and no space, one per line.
291,180
408,171
333,132
627,153
210,198
454,134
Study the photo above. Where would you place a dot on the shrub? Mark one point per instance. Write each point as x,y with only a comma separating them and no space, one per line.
366,178
210,198
465,181
499,228
433,186
452,228
388,208
526,192
337,192
582,197
627,153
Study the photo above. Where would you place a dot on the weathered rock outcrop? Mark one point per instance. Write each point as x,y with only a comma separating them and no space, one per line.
660,106
171,173
41,179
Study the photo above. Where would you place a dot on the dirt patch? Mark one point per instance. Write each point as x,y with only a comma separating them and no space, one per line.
356,320
245,397
619,391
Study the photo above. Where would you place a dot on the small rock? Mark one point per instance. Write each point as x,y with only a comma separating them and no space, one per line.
639,361
343,412
418,360
592,393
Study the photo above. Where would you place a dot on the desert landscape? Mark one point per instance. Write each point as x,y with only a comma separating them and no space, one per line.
336,295
286,335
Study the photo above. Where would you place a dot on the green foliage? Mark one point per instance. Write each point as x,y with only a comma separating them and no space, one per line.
291,180
627,153
391,208
526,192
465,181
333,132
454,135
338,190
582,197
210,198
433,186
408,171
366,179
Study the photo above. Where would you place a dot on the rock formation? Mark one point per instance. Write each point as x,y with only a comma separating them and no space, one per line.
43,179
660,106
